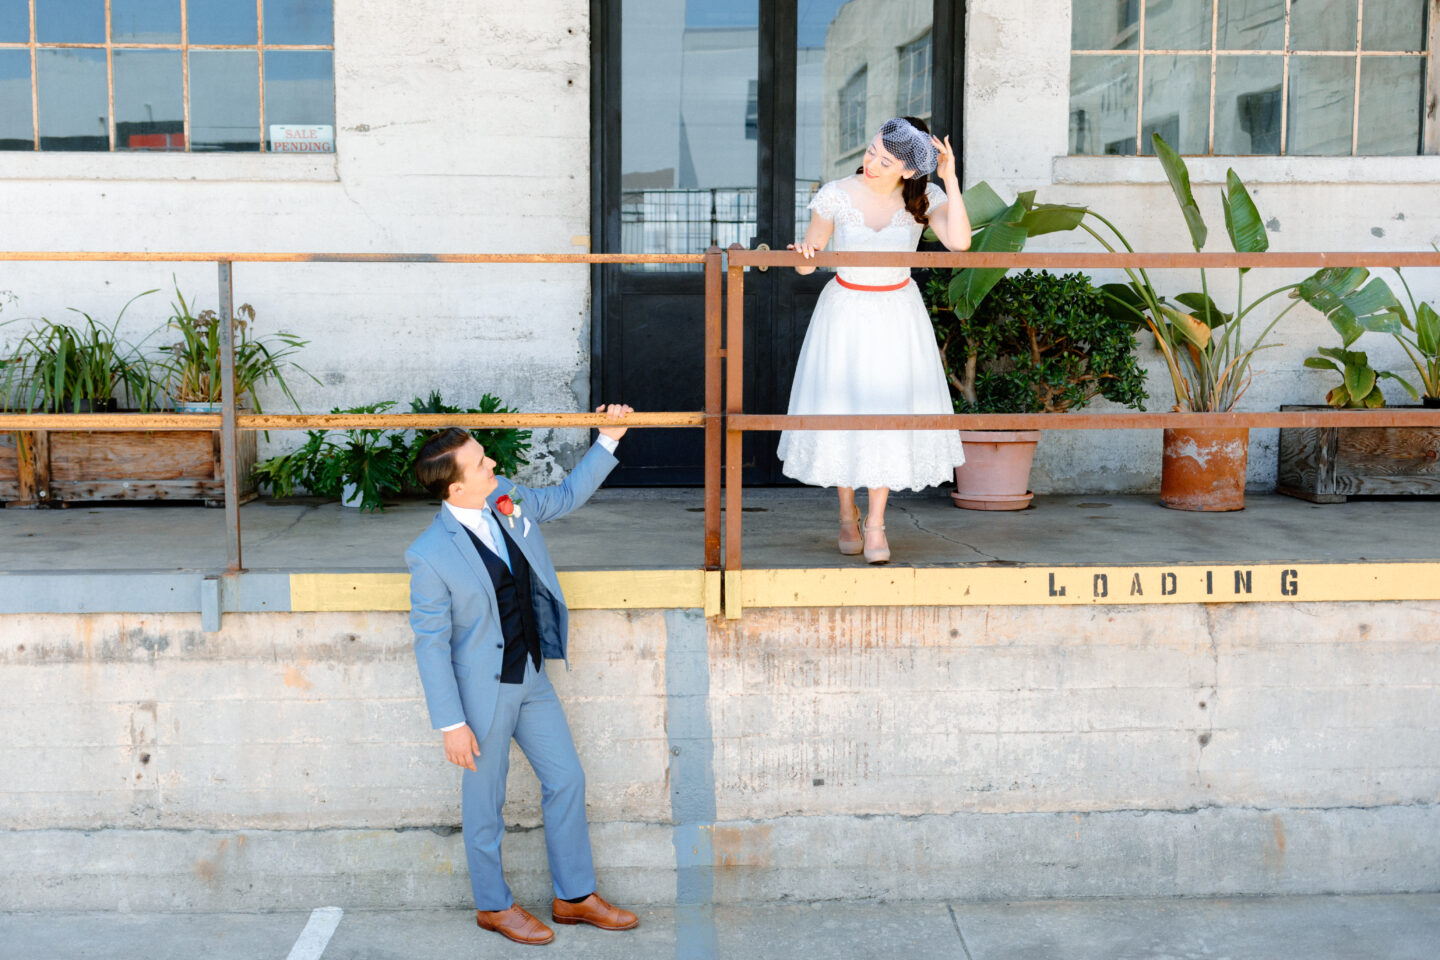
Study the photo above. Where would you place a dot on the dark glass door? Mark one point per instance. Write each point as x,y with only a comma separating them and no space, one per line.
714,121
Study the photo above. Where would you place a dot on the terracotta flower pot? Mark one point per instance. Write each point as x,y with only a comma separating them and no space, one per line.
996,471
1204,468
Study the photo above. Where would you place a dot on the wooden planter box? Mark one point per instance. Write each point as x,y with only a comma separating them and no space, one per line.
61,467
1331,464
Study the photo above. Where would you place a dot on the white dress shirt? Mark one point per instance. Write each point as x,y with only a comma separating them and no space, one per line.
474,521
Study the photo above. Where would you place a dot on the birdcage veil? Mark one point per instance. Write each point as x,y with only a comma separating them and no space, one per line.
910,145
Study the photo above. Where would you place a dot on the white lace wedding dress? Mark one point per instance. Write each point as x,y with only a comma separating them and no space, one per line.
870,352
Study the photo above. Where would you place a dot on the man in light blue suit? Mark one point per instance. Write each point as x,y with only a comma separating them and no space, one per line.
487,611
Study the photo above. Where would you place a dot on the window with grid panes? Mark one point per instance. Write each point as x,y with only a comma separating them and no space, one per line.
167,75
915,78
852,111
1234,77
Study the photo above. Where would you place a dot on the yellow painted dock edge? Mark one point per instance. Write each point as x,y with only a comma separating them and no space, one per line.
584,590
923,586
1069,586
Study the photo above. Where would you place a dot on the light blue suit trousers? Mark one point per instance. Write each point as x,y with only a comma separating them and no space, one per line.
531,713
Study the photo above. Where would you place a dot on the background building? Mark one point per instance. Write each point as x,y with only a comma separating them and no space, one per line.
667,125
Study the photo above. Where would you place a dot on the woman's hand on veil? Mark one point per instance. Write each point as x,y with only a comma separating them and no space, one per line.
945,161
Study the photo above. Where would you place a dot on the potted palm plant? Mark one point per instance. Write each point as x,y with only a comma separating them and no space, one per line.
190,368
1037,343
954,298
1206,351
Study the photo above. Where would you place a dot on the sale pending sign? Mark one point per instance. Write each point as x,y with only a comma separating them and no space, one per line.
302,138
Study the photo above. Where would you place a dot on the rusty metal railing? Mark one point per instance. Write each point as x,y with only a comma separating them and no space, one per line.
723,417
737,422
230,421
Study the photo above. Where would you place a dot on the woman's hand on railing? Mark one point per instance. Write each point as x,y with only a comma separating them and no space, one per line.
805,250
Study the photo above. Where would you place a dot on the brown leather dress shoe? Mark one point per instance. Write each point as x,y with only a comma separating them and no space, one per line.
594,911
517,923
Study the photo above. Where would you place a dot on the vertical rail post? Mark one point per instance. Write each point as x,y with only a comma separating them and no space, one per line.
734,447
229,438
714,410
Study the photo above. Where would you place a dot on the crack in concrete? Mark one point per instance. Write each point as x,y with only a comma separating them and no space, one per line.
305,509
938,535
345,189
1213,696
956,920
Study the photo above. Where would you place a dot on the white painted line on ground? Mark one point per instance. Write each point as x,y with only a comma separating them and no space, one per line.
317,933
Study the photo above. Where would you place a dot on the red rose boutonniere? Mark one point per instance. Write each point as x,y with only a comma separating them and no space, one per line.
507,508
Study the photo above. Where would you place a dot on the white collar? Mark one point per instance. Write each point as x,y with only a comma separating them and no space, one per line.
468,516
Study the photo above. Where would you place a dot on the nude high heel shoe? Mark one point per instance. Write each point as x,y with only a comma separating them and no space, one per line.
880,554
850,540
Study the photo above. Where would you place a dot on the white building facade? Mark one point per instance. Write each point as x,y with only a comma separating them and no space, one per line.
665,125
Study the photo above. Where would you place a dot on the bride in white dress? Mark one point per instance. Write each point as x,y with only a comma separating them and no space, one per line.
870,347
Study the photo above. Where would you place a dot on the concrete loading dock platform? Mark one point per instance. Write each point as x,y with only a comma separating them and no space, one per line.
179,740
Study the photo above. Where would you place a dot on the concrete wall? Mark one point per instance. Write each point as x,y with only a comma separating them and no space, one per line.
460,127
798,754
1017,123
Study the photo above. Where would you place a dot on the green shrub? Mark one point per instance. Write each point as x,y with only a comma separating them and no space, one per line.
1038,343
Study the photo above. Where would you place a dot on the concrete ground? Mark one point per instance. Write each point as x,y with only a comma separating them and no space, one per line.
1397,927
663,529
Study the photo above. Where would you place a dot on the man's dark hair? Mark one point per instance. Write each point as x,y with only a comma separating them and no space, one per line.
435,465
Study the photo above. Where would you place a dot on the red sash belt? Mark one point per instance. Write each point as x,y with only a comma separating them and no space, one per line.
868,289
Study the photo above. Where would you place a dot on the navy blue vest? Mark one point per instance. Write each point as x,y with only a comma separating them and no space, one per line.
517,607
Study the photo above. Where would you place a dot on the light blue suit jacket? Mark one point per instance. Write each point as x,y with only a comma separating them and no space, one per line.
459,645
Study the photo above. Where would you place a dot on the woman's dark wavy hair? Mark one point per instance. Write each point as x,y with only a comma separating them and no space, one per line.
912,191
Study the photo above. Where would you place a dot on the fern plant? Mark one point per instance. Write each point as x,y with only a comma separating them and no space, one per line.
508,448
380,463
376,461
